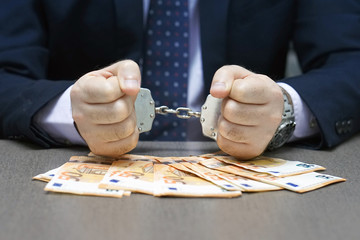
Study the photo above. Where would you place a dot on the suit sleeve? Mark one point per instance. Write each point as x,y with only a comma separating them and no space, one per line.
23,70
327,41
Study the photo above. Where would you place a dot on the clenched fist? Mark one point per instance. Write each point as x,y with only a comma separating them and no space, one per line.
250,113
103,108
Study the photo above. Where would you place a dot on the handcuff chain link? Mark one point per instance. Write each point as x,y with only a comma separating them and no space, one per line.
180,112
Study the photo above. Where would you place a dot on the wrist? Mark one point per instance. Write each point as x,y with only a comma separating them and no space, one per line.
55,118
306,123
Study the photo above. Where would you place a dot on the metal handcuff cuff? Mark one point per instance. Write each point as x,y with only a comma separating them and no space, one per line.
146,111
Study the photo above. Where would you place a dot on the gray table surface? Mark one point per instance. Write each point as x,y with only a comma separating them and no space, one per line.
27,212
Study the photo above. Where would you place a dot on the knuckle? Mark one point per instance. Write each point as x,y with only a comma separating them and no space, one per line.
115,112
122,109
276,91
126,129
223,128
231,131
223,71
129,62
130,67
78,116
107,91
262,76
132,123
90,93
229,67
239,88
243,114
230,109
75,92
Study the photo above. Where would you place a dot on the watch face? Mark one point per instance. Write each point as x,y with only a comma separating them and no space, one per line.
287,131
283,133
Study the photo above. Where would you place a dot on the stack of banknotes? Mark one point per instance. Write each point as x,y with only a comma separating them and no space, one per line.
207,175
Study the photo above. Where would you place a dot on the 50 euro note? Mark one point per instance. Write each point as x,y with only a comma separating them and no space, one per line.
47,176
246,184
82,179
297,183
170,181
274,166
135,176
211,176
185,164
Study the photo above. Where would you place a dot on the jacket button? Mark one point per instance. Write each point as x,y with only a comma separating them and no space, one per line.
339,128
349,125
343,127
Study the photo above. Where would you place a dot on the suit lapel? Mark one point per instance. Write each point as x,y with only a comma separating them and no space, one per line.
213,22
129,27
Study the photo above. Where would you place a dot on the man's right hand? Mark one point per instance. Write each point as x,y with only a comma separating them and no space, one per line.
103,108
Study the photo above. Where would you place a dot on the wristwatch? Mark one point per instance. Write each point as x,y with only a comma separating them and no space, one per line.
287,124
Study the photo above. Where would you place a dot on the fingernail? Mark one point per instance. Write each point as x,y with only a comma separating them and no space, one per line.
219,86
131,83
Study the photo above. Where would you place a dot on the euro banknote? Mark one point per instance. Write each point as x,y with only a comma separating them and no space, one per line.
170,181
297,183
274,166
82,179
134,176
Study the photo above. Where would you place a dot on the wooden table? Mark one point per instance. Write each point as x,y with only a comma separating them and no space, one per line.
27,212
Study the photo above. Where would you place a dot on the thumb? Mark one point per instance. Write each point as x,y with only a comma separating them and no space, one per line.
128,74
223,79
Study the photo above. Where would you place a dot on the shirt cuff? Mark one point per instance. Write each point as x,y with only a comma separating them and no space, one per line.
56,119
306,125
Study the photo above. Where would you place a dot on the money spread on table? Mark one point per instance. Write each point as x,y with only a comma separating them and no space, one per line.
207,175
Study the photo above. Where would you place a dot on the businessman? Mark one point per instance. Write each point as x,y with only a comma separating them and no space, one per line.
70,71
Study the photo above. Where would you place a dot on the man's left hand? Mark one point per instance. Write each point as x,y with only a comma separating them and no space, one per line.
251,110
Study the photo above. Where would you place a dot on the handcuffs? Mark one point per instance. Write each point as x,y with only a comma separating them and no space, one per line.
210,111
146,111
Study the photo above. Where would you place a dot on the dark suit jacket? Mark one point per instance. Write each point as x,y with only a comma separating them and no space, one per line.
45,45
